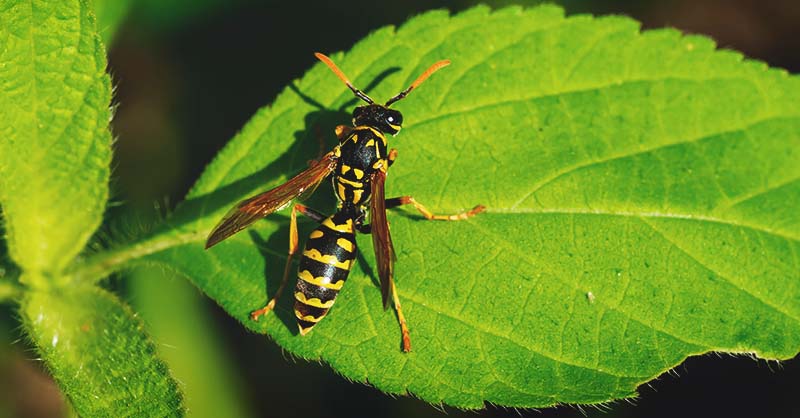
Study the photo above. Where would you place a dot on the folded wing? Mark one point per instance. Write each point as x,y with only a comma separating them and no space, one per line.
250,210
381,236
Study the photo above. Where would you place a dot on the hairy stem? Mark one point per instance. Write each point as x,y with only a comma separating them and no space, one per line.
100,265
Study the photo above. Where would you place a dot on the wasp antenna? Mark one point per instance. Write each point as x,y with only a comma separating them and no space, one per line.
424,76
360,94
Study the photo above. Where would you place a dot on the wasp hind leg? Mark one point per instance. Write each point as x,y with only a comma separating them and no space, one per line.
293,245
401,319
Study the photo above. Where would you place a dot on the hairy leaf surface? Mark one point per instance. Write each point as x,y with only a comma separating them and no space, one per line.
642,194
54,139
97,351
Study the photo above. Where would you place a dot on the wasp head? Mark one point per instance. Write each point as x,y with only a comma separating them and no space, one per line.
379,117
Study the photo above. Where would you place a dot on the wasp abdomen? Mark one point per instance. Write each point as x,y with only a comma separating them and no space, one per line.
328,255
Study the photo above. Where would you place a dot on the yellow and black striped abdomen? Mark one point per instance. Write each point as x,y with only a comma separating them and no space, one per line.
327,258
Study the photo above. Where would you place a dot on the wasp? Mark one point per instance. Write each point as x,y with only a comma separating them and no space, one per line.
358,167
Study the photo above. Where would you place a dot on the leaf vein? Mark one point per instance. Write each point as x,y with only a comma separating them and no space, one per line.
757,193
631,153
740,287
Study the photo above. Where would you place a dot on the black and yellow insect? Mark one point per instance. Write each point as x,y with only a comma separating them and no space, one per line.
358,164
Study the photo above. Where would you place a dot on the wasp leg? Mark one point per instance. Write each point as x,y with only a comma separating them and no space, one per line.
402,319
293,245
342,131
408,200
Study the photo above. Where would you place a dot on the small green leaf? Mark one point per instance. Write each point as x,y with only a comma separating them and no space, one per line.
642,194
96,349
55,147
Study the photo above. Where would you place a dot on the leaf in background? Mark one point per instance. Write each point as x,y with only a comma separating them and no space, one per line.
175,316
99,354
110,14
8,290
54,138
641,191
167,14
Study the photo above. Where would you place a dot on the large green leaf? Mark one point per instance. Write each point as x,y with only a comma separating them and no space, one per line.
641,192
55,148
97,351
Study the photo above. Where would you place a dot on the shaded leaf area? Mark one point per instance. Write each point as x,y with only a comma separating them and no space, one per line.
641,192
97,350
55,151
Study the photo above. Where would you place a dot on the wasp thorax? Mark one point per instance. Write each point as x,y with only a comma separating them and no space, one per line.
379,117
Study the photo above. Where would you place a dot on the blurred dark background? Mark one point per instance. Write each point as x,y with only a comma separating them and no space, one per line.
188,75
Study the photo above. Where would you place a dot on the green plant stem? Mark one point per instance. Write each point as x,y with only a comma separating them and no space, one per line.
100,265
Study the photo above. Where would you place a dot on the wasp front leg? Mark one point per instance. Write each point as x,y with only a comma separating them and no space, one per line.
409,200
293,245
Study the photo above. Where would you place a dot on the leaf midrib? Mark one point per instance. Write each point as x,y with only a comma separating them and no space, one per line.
737,223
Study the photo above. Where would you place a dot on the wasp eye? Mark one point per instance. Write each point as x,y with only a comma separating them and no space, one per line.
394,118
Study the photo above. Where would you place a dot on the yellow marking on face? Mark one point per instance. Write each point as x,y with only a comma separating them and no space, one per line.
314,254
377,133
345,243
370,143
316,234
395,127
347,226
345,168
315,302
350,182
359,173
321,281
308,318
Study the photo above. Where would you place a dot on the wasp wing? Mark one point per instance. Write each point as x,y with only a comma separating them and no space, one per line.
381,236
250,210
